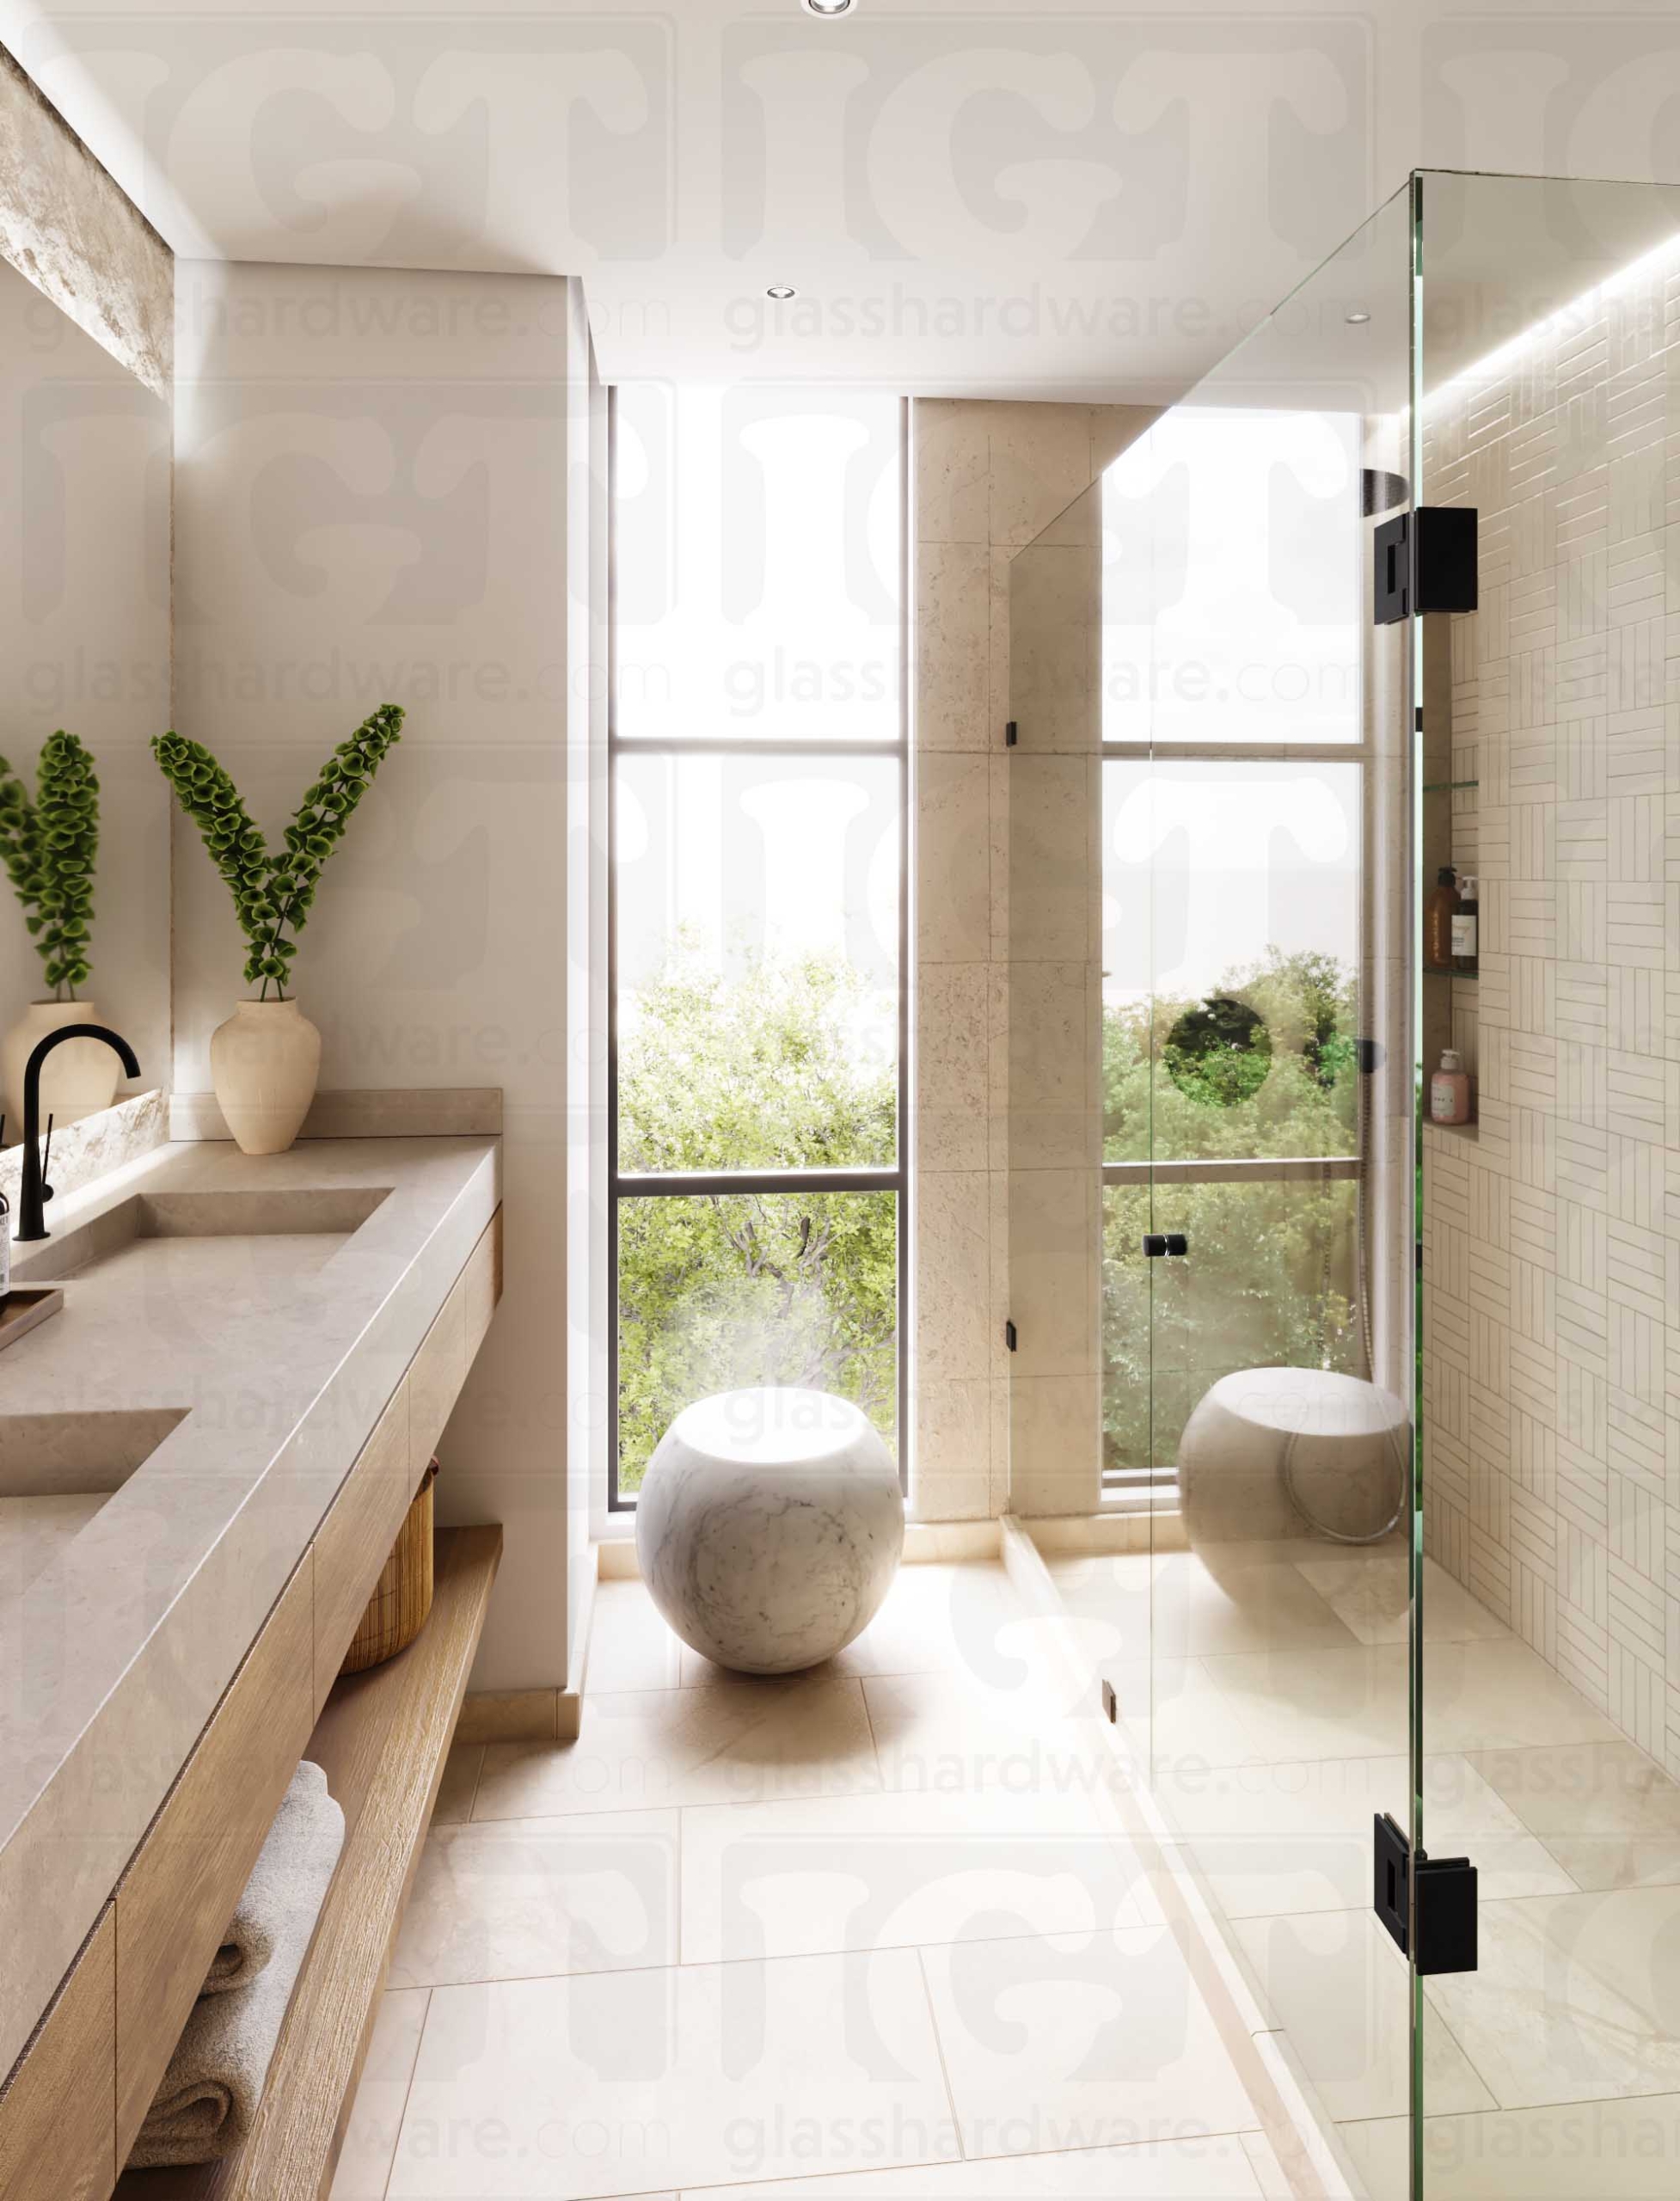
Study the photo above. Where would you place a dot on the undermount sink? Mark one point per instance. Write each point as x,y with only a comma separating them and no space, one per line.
313,1220
57,1470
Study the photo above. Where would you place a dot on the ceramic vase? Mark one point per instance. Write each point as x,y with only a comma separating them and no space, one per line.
77,1079
263,1062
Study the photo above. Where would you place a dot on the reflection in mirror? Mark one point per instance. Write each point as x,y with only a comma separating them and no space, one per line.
85,651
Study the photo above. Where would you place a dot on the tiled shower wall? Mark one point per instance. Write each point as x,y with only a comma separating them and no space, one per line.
1552,1227
988,478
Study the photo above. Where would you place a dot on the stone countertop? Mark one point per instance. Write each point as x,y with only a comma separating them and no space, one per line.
278,1355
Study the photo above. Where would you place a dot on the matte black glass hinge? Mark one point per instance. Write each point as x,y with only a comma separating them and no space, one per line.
1424,561
1011,1336
1009,734
1158,1244
1368,1053
1436,1894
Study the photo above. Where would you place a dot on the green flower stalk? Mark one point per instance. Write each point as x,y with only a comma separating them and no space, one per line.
48,847
272,893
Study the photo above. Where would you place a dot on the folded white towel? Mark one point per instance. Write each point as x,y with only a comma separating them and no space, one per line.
249,1940
204,2107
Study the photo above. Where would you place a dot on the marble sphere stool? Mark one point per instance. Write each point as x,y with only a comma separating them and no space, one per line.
1280,1452
770,1525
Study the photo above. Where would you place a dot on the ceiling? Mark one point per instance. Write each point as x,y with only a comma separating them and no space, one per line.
969,199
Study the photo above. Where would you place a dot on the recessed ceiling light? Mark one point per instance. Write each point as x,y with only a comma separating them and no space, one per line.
779,291
1356,317
828,7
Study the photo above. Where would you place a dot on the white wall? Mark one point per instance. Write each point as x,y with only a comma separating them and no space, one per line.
372,505
84,641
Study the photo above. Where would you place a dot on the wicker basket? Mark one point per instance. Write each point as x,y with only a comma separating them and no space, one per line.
401,1598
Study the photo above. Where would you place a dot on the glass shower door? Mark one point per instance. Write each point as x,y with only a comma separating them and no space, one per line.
1258,1050
1547,401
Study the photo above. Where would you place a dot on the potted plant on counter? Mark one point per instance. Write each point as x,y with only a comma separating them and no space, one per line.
264,1061
48,845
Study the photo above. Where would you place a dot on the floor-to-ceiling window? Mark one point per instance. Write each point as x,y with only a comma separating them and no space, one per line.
1233,743
758,884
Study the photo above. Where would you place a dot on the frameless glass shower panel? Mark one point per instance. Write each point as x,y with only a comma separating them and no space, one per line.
1550,407
1054,1125
1210,1124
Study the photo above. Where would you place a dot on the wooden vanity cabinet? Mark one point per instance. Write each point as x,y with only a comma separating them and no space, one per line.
76,2097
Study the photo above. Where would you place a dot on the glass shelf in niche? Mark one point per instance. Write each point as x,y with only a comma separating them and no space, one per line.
1434,971
1448,786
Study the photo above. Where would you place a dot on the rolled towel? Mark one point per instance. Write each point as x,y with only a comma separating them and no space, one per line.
249,1940
209,2096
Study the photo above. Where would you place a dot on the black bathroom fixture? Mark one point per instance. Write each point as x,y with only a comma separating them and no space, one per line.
1424,561
35,1191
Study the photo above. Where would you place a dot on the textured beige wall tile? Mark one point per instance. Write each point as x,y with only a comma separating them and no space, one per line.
953,485
1055,1440
1055,823
952,1277
998,645
994,477
1055,1217
1041,461
954,1066
1571,1296
953,858
954,1450
953,643
1055,644
1055,1011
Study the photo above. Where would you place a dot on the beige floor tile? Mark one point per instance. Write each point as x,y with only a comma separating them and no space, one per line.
1214,2169
959,1619
650,2081
1338,1987
1372,1595
888,1871
520,1899
1608,1815
459,1784
1380,2150
1501,1694
1285,1838
1177,1717
1596,2151
1115,1587
1258,1605
1290,1705
630,1646
1100,2045
1573,1997
733,1742
376,2116
945,1737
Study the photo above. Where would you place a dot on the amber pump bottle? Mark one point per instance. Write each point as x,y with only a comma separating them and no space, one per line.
1438,912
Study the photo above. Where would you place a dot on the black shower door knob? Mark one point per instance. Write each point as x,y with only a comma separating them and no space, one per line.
1159,1244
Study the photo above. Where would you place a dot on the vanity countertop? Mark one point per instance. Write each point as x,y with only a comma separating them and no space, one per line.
263,1362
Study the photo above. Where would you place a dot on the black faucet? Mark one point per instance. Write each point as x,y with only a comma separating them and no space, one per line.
34,1193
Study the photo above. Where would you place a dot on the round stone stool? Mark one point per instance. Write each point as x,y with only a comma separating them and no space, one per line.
769,1526
1272,1452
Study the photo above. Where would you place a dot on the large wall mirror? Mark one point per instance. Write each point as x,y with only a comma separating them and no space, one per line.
85,651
